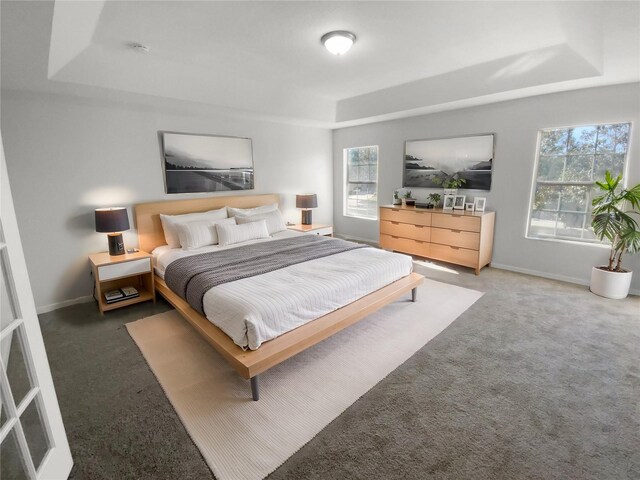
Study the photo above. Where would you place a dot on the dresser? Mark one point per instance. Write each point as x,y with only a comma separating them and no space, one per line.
453,236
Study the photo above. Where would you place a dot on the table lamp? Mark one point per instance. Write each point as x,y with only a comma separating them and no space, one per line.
113,221
306,202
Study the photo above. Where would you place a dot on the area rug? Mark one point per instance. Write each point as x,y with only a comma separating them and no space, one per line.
243,440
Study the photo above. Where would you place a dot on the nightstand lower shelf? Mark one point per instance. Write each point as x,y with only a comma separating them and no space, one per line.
144,296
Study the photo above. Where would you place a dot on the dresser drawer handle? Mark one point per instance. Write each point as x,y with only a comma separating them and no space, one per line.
417,241
419,226
394,237
455,248
455,231
395,223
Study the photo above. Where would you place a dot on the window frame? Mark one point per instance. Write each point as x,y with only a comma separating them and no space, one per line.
589,194
346,182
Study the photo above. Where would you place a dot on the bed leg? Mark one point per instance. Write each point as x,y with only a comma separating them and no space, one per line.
255,393
414,294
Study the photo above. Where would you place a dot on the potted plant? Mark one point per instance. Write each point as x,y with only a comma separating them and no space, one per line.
614,219
434,200
408,199
396,197
451,183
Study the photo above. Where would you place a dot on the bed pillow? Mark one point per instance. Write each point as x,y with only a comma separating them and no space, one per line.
230,234
169,221
252,211
200,233
275,221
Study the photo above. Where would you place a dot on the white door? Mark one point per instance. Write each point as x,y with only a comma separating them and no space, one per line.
33,443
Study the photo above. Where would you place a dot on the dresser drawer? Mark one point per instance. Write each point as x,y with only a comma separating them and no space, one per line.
405,230
456,222
405,245
456,238
124,269
460,256
416,217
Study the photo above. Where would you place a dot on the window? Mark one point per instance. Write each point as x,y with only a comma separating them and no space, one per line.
361,187
569,161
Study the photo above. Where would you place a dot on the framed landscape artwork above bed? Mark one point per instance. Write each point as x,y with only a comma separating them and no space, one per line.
205,163
428,163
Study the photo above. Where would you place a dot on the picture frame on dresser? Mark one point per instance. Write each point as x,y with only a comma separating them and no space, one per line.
448,202
468,206
458,202
479,204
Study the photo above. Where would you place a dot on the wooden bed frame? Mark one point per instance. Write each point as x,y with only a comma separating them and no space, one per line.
249,364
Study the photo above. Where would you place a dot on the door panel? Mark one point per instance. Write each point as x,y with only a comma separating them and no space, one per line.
33,442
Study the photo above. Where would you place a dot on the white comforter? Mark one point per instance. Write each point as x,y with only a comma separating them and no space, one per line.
256,309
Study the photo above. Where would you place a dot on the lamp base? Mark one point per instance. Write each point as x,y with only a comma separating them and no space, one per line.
116,244
306,217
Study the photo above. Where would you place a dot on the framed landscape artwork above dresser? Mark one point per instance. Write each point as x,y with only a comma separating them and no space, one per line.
429,163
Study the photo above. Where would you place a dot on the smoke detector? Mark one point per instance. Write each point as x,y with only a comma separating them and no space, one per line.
138,47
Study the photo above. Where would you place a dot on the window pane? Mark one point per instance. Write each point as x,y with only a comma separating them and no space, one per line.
11,463
613,138
551,168
553,142
573,199
34,432
352,173
7,307
582,140
17,372
361,189
4,416
543,223
570,224
363,173
547,198
579,168
612,162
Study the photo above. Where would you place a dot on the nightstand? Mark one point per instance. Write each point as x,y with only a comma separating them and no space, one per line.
128,270
315,229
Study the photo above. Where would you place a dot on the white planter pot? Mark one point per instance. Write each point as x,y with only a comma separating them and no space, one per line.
610,284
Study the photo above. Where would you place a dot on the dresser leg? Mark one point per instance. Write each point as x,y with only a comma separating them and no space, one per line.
255,393
477,271
414,294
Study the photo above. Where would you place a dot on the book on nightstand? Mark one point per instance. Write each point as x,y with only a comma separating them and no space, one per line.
120,294
113,296
129,292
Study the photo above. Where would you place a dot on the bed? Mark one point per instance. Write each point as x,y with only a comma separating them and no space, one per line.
253,356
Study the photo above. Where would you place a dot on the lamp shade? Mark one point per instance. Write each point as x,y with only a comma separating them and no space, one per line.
307,201
109,220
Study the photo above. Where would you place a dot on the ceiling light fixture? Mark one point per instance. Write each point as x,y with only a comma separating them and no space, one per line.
338,42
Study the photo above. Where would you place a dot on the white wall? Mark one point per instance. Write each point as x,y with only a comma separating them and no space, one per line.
516,124
68,155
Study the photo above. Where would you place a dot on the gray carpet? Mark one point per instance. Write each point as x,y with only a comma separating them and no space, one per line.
539,379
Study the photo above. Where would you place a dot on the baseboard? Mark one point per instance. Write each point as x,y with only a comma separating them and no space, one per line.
65,303
551,276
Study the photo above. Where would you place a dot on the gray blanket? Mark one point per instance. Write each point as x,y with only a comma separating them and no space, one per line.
191,277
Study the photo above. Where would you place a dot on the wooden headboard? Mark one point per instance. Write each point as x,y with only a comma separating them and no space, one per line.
150,234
